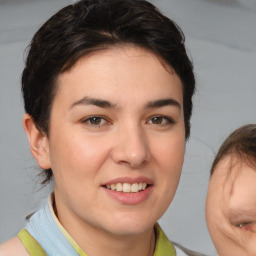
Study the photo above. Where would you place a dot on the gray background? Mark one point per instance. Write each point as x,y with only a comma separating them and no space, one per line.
221,37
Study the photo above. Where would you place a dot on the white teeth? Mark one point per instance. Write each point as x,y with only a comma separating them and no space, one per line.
119,187
135,187
127,188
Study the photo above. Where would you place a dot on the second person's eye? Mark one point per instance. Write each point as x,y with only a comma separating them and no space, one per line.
247,225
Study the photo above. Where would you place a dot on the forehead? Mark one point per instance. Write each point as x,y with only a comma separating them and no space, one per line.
121,72
243,192
234,183
129,55
230,168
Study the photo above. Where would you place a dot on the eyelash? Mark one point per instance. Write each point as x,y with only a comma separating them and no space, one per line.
89,120
246,224
166,118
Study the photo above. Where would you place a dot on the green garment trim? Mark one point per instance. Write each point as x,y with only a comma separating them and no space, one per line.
77,247
32,246
163,246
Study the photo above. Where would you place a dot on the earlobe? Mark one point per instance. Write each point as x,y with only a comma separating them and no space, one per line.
39,144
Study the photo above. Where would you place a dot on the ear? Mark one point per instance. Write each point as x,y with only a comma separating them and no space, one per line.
39,144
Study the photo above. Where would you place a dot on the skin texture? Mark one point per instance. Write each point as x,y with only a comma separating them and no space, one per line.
13,247
231,201
137,135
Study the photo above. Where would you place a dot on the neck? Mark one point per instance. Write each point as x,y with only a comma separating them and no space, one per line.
100,243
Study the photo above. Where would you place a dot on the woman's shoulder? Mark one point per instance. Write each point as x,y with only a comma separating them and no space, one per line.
13,247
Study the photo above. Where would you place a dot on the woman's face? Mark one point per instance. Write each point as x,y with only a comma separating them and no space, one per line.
116,141
231,208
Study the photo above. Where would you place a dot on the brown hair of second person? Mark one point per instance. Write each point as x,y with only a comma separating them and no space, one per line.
241,143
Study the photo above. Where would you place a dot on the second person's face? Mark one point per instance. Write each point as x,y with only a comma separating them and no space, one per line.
117,141
231,208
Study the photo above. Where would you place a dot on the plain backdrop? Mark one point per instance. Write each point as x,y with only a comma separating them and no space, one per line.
221,38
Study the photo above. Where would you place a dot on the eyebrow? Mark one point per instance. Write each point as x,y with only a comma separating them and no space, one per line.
163,103
106,104
93,101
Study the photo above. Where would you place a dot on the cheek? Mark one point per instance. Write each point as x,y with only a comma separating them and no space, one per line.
252,245
169,152
169,155
76,156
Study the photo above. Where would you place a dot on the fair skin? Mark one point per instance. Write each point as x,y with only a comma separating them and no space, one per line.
116,145
231,208
13,247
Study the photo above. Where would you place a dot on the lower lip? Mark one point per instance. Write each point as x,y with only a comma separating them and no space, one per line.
130,198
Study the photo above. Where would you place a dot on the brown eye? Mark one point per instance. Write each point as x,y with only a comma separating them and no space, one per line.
157,120
94,121
160,120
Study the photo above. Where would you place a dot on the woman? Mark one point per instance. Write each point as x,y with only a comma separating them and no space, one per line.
108,97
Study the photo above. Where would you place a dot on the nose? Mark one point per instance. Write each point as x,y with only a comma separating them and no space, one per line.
131,147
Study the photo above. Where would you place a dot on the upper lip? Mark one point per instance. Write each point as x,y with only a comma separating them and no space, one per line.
129,180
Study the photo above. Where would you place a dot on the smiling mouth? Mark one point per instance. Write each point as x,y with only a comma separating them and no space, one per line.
127,188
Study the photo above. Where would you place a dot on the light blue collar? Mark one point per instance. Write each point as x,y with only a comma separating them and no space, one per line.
44,229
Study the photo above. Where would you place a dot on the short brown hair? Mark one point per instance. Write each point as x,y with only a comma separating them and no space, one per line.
241,143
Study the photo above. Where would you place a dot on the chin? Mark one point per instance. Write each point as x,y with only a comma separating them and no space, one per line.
131,226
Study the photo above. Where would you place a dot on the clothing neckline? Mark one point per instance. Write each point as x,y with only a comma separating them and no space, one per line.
47,234
162,243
